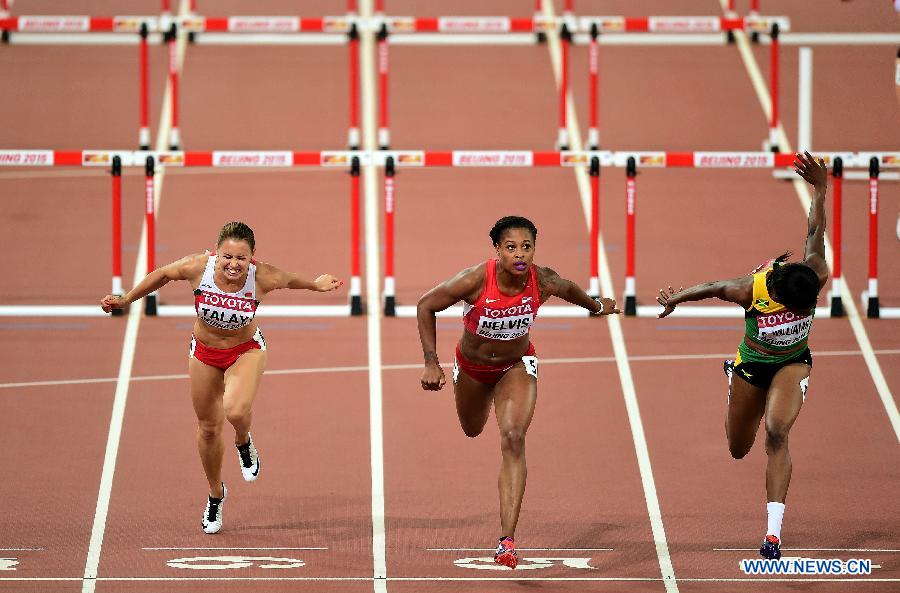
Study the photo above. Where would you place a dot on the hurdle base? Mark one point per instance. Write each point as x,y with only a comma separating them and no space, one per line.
754,37
390,306
873,310
4,37
541,37
837,307
356,306
192,37
630,306
150,305
729,37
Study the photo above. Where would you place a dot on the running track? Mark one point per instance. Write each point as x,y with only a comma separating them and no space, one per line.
314,420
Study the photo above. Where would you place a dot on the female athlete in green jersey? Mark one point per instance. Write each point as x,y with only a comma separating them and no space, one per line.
770,373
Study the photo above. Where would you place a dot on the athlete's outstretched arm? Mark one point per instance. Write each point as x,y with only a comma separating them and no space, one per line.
552,284
738,291
271,278
815,174
464,285
184,269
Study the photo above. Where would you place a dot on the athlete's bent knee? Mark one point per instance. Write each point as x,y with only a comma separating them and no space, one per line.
512,442
776,438
237,414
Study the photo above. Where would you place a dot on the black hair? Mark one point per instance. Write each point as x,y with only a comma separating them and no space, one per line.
794,285
239,232
511,222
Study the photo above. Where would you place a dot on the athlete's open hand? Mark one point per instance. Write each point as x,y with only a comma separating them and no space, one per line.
327,282
433,377
111,301
815,173
668,300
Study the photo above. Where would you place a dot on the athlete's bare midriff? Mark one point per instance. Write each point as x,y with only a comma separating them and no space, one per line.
482,351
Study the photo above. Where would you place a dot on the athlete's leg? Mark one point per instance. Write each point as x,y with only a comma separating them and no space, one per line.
514,400
473,403
241,385
746,404
783,405
207,386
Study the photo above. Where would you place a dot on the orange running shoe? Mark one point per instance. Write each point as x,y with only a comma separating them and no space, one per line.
506,553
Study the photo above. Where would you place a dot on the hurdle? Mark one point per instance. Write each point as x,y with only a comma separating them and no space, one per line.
152,162
631,161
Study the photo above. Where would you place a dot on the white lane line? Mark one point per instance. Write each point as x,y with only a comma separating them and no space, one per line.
808,550
406,367
801,188
618,340
750,580
98,529
521,549
21,549
157,549
373,304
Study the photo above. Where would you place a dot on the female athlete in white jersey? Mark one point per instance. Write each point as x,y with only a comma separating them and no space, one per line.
227,352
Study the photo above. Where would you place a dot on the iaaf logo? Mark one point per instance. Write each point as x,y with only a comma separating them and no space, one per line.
454,24
249,24
227,302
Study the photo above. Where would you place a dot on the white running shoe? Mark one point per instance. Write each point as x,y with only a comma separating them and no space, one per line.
212,516
249,458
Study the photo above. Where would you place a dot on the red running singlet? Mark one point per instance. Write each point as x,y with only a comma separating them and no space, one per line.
496,316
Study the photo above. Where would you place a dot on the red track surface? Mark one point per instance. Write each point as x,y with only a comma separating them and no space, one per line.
312,427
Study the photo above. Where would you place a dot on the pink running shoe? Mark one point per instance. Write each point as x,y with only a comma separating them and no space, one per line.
506,553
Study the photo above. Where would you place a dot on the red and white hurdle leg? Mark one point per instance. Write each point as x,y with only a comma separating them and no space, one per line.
172,42
837,172
150,301
870,297
384,139
390,302
630,202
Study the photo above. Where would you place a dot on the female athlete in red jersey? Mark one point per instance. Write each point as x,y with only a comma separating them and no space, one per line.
495,361
227,352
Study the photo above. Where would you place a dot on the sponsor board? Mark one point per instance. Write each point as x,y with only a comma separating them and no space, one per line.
408,158
761,24
21,158
263,24
492,158
240,158
335,159
606,24
734,159
641,159
54,24
132,24
459,24
193,24
401,24
335,24
574,159
683,24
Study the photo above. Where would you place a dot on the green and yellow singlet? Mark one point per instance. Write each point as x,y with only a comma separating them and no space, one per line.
772,326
